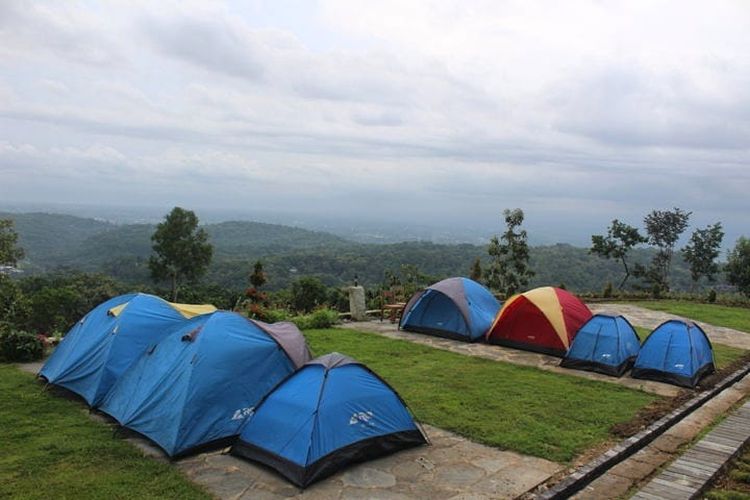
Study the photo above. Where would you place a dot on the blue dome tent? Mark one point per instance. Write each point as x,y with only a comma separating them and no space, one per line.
102,345
456,308
676,352
605,344
332,412
195,387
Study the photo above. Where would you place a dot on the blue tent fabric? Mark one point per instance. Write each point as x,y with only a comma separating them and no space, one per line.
676,352
457,308
332,412
604,344
100,347
195,387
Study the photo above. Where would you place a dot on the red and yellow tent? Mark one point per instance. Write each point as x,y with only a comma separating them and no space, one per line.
543,319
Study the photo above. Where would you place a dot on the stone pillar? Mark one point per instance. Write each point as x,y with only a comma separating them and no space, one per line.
357,303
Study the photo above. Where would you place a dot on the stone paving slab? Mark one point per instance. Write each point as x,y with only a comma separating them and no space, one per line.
450,467
689,475
508,355
636,469
640,316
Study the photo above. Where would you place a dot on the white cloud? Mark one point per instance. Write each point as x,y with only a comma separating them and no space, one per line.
476,104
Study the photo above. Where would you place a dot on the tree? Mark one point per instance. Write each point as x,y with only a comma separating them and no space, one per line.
257,300
182,251
738,266
664,228
10,254
703,250
308,293
258,277
476,270
620,239
509,266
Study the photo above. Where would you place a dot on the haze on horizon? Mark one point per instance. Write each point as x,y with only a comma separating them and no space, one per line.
440,113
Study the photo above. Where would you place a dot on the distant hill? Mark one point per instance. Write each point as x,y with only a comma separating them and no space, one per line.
52,241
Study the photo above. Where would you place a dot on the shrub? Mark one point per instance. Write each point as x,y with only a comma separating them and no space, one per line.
607,292
711,296
276,315
19,346
321,318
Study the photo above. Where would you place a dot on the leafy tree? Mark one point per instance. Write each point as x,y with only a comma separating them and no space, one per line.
14,304
620,239
703,250
476,270
10,254
738,266
509,269
257,300
181,249
664,228
308,293
258,277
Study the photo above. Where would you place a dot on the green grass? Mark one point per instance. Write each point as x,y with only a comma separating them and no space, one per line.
729,317
51,448
520,408
724,355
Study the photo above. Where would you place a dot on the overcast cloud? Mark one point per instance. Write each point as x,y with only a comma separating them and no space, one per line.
435,112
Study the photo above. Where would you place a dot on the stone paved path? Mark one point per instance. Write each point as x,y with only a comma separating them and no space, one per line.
509,355
640,316
635,470
451,467
690,475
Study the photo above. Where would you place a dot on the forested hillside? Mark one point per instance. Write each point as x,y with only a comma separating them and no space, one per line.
53,241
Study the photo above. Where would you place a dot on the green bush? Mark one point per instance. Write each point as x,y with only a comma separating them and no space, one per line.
276,315
711,299
19,346
320,318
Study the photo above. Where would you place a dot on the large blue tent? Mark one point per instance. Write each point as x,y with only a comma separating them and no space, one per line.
195,387
457,308
677,352
332,412
102,345
605,344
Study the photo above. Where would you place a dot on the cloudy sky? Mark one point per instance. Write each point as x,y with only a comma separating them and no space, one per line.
436,112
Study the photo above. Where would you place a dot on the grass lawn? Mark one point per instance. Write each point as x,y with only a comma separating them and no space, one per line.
730,317
50,448
724,355
514,407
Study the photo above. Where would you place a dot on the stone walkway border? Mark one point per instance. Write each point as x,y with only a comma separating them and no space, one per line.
595,468
692,473
509,355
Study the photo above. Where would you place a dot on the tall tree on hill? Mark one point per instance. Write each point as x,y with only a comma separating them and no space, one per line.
621,238
476,270
703,250
181,249
10,253
509,269
664,228
738,266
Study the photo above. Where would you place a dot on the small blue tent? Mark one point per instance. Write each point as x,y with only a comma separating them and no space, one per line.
677,352
332,412
102,345
456,308
605,344
195,387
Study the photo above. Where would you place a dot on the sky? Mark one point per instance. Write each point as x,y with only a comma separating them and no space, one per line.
434,112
